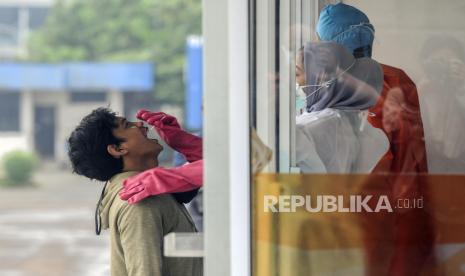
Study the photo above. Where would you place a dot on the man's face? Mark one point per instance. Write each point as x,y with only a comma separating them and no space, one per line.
135,141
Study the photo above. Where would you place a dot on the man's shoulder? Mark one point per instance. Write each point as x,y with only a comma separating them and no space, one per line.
151,210
158,203
162,201
153,204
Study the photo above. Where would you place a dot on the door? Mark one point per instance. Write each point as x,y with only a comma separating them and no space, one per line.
44,131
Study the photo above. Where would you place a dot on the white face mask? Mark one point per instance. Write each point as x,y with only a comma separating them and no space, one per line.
301,96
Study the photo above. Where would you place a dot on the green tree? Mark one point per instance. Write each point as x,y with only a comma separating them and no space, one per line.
122,30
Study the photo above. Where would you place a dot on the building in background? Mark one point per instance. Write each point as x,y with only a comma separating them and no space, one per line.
40,104
17,19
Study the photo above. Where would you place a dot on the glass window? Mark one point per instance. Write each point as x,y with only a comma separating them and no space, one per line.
365,137
9,111
8,26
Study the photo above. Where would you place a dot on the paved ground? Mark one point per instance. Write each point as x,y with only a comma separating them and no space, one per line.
49,229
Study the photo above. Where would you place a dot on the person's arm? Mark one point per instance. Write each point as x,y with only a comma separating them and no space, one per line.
141,235
162,181
171,132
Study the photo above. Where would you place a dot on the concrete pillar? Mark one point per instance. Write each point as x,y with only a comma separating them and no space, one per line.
27,118
23,31
116,100
226,140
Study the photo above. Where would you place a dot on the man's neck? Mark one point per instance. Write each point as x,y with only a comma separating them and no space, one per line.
139,165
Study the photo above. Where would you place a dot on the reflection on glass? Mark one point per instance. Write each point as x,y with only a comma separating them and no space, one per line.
334,135
351,27
423,130
442,91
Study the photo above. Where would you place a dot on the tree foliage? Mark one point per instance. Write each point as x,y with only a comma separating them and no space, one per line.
122,30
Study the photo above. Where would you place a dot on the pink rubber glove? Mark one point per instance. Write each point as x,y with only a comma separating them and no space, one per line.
169,130
162,181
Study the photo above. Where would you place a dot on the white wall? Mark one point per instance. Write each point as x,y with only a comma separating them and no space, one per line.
20,140
12,142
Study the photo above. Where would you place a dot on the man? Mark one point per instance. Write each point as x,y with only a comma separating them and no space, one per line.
110,148
397,113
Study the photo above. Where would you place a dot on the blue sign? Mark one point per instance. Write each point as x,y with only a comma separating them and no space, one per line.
84,76
194,84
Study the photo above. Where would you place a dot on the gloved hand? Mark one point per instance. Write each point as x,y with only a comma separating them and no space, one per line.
169,130
159,120
160,180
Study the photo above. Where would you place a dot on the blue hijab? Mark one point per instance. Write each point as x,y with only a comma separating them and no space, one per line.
348,26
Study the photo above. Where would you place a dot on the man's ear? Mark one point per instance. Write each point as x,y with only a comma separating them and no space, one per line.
116,151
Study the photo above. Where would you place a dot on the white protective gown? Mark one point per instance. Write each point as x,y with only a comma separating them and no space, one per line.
338,141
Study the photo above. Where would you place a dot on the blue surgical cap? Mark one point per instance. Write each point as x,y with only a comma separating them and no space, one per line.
346,25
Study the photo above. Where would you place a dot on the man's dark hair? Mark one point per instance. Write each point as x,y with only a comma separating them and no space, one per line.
88,146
